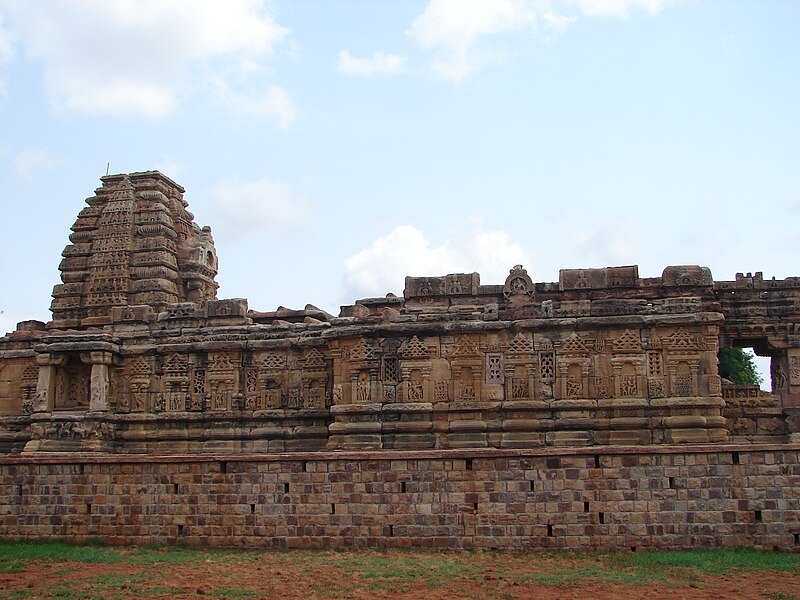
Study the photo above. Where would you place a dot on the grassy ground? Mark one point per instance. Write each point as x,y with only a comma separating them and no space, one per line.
55,570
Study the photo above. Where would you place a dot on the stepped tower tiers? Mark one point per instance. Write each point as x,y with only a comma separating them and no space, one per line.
134,245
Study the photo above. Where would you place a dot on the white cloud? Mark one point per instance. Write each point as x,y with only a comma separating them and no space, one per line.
273,101
383,266
453,29
169,167
137,56
5,42
30,161
5,55
263,207
619,8
378,64
462,35
609,242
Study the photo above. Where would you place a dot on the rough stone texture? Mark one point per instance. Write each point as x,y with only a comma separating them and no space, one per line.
142,358
134,244
583,413
610,498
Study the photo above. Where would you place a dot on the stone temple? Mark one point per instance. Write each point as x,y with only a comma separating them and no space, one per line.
142,359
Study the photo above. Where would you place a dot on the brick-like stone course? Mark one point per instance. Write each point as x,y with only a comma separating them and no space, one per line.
602,497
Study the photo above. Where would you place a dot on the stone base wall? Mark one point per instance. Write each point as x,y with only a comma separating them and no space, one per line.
580,498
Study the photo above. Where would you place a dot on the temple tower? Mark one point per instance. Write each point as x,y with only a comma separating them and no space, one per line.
135,243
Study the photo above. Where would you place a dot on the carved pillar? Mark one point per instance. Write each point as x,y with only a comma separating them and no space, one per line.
45,385
99,379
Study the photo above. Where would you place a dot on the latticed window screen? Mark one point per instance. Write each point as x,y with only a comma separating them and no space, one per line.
390,370
494,368
547,365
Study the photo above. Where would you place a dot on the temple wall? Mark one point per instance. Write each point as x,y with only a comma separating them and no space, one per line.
141,357
202,386
610,498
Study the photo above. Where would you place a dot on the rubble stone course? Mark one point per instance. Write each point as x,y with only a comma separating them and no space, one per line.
585,412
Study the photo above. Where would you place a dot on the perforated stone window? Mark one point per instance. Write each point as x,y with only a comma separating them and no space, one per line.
390,370
494,368
547,366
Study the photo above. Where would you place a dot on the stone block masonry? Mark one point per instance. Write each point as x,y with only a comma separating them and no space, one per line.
567,498
587,412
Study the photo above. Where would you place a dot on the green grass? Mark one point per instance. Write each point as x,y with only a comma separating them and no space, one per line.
14,555
679,567
393,571
716,562
57,552
387,571
17,594
594,572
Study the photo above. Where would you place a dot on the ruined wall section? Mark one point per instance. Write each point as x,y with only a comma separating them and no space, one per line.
601,357
134,244
764,315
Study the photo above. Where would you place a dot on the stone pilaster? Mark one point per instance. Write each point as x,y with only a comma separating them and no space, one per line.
99,382
45,385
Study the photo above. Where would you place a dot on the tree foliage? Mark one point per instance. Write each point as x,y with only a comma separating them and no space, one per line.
739,366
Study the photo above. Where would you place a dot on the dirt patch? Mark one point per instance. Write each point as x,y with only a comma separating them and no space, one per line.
385,574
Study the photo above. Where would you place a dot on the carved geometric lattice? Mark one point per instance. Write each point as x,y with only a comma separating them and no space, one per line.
28,388
683,382
177,363
494,369
520,344
251,381
273,360
31,373
654,364
314,359
363,350
390,370
465,347
574,343
138,368
628,341
547,366
199,381
683,385
683,340
221,361
415,349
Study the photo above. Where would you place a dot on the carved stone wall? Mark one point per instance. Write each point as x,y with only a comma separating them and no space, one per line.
141,358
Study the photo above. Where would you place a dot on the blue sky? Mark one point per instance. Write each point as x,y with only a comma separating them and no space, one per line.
335,147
